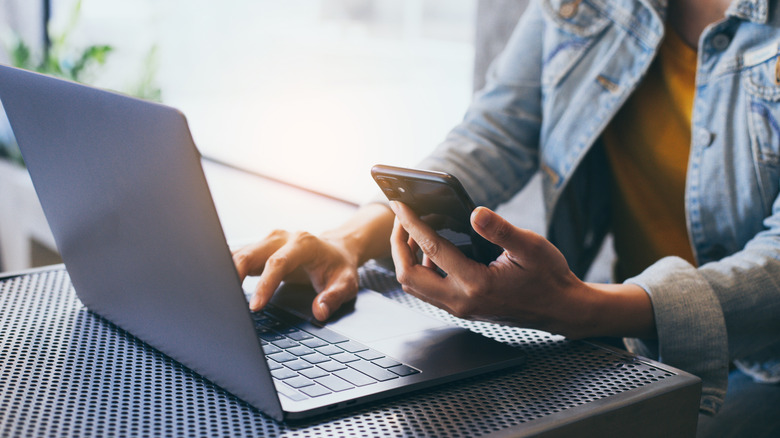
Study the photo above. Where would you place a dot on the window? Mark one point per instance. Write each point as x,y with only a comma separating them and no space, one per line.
312,92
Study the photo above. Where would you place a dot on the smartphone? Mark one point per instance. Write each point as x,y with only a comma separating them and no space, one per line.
440,200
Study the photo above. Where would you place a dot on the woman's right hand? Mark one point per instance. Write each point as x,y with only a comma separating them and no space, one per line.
300,258
328,262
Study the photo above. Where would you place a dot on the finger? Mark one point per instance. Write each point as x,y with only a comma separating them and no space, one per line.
519,243
296,252
332,297
401,247
440,250
427,285
250,259
428,263
418,280
414,248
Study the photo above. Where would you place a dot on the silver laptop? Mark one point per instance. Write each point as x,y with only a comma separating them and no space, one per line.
122,187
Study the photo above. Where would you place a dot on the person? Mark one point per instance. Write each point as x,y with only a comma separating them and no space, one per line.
657,123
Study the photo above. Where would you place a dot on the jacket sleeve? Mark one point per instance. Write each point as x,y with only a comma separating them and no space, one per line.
721,312
494,150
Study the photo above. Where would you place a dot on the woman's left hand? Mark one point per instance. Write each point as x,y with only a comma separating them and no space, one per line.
528,285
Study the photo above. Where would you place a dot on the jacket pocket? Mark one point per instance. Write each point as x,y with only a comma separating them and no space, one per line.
573,28
761,79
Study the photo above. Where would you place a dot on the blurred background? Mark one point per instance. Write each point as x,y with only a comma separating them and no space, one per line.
306,93
313,92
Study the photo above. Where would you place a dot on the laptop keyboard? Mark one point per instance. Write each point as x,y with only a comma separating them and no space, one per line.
307,360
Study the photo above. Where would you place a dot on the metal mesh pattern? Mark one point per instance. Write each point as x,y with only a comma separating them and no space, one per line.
66,371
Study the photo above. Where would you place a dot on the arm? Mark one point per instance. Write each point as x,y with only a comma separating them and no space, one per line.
717,313
701,318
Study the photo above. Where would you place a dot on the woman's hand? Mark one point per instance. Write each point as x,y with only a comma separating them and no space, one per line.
300,258
529,285
329,262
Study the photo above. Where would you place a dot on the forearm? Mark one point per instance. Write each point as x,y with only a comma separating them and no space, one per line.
366,235
619,310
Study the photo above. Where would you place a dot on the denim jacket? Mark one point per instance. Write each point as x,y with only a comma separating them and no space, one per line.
566,71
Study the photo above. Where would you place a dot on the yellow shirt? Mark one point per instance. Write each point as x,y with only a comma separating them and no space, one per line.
647,145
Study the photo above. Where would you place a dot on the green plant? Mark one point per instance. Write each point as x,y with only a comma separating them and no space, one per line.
79,65
59,59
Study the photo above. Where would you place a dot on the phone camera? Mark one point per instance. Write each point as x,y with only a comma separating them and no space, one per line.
390,187
390,193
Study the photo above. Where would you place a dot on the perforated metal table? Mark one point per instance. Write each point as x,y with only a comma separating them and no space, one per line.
66,371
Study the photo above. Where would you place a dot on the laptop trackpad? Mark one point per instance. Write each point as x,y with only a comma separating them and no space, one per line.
368,319
427,343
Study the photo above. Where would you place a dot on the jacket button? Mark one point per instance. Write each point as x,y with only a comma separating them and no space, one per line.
550,174
777,72
702,137
569,9
720,42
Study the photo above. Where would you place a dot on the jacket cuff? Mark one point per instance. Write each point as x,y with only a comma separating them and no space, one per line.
690,325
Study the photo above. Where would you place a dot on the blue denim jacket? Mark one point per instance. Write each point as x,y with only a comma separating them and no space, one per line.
568,68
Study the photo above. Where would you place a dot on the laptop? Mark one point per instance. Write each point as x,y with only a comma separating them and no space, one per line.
121,185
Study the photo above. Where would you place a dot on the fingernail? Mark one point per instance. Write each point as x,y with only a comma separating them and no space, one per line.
325,310
393,206
481,217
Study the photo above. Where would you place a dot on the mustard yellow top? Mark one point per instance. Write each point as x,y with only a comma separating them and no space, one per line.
647,145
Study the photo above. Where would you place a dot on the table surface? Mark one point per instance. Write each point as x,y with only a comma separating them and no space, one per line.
66,371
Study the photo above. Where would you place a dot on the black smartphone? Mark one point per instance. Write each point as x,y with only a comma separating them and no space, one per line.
440,200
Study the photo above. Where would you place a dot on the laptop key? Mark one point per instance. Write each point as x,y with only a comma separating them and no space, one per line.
269,335
354,377
285,343
282,357
372,370
386,362
300,350
331,366
298,382
314,342
315,390
403,370
345,357
369,355
273,365
334,383
283,373
315,358
353,347
265,321
271,349
289,392
298,335
329,350
323,333
297,365
313,372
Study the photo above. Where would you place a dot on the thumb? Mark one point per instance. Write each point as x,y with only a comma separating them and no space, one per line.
498,230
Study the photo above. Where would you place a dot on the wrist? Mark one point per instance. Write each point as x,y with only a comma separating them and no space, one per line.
619,310
366,234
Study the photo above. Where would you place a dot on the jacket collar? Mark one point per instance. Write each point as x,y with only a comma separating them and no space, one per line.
756,11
